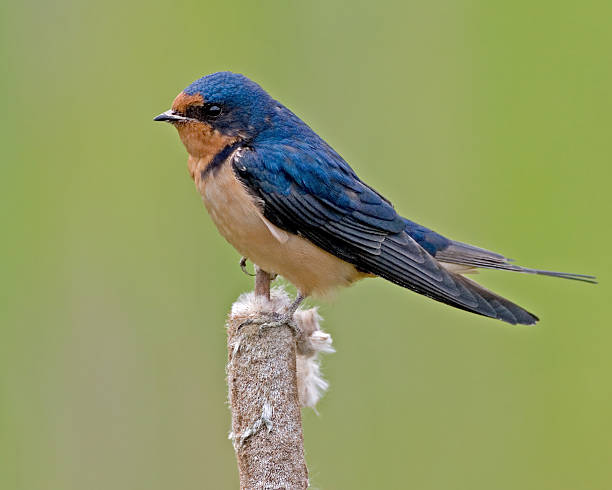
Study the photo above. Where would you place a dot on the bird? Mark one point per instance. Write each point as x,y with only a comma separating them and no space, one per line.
289,203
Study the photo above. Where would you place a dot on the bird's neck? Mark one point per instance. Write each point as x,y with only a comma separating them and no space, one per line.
202,141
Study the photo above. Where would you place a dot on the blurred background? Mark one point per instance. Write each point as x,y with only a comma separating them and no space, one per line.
489,123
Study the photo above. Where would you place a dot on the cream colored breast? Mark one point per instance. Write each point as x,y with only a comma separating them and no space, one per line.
238,218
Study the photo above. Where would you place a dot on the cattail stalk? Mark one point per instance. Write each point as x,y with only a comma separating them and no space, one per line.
263,394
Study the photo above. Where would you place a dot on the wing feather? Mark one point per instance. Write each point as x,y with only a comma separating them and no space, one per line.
313,193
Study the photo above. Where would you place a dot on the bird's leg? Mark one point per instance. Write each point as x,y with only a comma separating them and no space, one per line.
275,319
296,303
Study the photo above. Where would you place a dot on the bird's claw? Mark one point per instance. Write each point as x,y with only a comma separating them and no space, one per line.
243,263
273,320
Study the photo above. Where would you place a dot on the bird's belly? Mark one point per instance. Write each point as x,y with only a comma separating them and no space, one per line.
239,220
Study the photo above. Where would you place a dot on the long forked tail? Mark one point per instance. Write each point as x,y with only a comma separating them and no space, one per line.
469,255
420,263
402,261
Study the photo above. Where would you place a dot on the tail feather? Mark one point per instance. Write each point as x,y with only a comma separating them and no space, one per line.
469,255
433,280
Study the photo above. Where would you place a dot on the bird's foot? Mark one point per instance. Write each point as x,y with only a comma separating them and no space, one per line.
243,264
273,319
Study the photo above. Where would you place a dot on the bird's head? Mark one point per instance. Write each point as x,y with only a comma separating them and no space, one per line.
217,110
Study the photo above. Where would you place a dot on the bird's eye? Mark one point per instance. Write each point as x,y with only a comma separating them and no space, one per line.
204,112
213,111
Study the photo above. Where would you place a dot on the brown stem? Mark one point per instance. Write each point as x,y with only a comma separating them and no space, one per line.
263,396
262,283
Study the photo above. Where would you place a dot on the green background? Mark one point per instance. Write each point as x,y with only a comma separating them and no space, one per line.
488,121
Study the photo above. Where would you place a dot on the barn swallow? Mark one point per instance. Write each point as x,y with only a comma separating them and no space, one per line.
289,203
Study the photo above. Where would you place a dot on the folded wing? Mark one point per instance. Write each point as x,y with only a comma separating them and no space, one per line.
310,191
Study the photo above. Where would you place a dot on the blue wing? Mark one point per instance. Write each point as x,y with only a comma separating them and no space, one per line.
308,189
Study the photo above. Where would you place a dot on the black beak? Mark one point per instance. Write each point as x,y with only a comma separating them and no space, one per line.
170,116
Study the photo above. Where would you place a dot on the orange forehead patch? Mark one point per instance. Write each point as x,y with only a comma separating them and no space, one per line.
183,101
